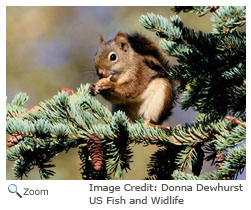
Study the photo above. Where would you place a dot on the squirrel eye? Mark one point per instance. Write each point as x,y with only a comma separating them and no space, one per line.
113,57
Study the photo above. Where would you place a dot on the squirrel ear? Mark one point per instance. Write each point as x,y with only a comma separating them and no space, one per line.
122,40
101,40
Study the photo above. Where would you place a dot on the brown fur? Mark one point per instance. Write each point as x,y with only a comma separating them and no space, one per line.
132,80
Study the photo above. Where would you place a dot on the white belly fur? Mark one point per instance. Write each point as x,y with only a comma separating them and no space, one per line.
150,103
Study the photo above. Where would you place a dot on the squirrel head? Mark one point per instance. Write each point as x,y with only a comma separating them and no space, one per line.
113,57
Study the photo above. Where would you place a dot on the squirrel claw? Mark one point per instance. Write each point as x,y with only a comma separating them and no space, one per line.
92,89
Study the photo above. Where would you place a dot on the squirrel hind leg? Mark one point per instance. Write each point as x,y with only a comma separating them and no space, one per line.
156,99
149,123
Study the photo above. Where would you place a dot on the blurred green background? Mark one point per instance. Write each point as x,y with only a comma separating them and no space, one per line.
53,47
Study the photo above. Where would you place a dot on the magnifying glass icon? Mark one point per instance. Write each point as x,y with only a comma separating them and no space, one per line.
13,189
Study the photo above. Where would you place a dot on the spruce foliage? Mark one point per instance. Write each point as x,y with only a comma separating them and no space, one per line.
211,71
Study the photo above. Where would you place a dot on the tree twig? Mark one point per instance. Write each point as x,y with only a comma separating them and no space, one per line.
234,120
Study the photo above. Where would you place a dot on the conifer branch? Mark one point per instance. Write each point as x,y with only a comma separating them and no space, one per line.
234,163
200,10
67,121
234,120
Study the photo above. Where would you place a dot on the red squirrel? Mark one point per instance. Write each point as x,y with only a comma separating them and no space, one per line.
132,71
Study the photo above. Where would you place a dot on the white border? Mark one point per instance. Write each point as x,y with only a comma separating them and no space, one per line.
122,2
74,194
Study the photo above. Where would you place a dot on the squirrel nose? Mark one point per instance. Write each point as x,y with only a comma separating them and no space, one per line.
101,73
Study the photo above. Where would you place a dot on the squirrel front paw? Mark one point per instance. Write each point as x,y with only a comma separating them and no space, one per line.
92,89
103,84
